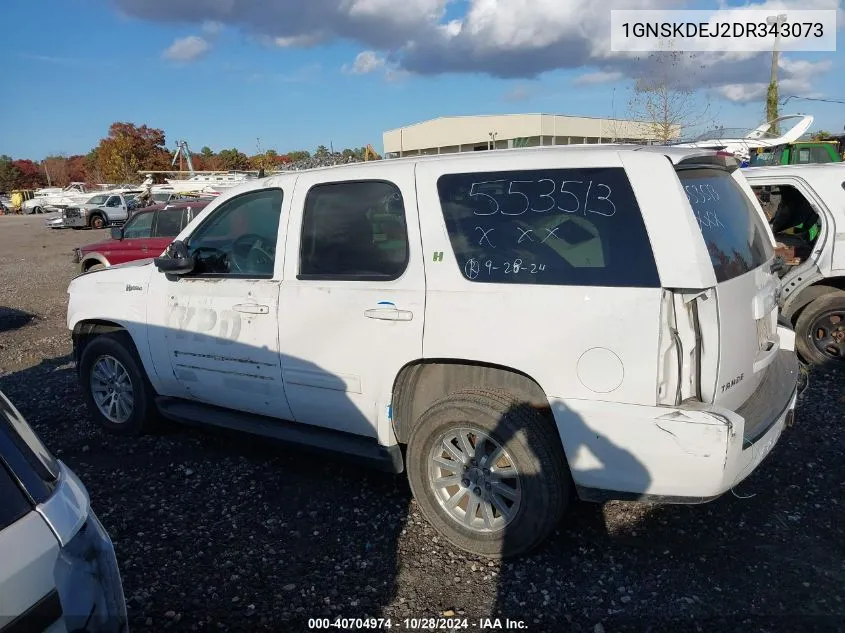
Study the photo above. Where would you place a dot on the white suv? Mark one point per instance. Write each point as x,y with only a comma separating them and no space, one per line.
530,325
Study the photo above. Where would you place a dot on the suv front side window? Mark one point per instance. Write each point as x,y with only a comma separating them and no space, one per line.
139,226
114,201
354,231
239,238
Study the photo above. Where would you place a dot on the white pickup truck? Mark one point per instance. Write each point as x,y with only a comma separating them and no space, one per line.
100,211
808,204
514,329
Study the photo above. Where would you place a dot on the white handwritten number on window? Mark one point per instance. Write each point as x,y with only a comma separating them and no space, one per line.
472,268
592,198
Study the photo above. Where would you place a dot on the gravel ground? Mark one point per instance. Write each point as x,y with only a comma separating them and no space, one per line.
219,532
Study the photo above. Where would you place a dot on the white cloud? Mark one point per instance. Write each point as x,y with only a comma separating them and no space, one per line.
800,75
298,41
365,62
212,28
501,38
598,77
186,49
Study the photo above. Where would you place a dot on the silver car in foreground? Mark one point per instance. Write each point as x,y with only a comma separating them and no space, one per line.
58,571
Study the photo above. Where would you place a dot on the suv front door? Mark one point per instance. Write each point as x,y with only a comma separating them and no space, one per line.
214,332
353,299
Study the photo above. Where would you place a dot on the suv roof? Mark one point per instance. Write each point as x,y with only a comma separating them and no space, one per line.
674,154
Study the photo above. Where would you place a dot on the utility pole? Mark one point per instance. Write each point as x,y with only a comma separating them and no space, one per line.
772,93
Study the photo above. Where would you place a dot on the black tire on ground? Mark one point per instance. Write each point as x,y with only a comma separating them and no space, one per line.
532,441
97,221
814,322
93,267
119,346
37,210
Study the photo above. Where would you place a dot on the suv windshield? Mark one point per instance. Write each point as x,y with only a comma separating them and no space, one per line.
733,230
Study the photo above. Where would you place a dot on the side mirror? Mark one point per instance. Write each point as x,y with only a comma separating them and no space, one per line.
117,233
176,260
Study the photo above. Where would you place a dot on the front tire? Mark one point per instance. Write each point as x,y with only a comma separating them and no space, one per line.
115,386
489,472
820,330
98,222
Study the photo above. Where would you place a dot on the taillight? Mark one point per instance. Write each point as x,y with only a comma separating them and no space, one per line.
679,377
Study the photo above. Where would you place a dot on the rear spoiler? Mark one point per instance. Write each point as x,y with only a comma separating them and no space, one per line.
721,160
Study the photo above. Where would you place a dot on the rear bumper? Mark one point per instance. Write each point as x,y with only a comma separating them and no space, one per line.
685,454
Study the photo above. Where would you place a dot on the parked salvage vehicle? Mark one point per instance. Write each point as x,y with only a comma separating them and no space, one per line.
100,211
532,326
807,209
146,234
58,570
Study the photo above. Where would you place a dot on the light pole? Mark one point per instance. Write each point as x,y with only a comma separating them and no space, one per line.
772,93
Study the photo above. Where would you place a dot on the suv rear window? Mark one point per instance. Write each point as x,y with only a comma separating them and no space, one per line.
733,230
578,227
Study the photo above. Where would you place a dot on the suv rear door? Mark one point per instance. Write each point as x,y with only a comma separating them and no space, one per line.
737,309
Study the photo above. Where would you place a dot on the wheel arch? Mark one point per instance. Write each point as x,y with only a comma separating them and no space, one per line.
809,294
87,329
422,382
97,213
91,259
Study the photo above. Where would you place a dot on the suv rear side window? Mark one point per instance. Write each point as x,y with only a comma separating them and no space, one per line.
735,235
578,227
354,231
169,223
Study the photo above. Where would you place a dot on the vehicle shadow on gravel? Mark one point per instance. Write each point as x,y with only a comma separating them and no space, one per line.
221,531
13,319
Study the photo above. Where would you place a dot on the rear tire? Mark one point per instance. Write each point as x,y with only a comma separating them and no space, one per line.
510,519
94,267
109,364
822,320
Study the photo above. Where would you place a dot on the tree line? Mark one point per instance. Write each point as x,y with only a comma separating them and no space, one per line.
129,149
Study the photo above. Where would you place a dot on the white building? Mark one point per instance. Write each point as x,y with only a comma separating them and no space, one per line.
451,134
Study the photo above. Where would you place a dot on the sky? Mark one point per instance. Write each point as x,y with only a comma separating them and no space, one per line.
295,74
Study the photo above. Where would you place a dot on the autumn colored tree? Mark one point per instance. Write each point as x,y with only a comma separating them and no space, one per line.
299,154
30,175
93,174
76,170
129,149
56,171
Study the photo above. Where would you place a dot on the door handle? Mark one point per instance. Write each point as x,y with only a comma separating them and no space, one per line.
251,308
389,314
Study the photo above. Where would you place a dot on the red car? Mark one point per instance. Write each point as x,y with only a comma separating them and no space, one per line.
146,234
